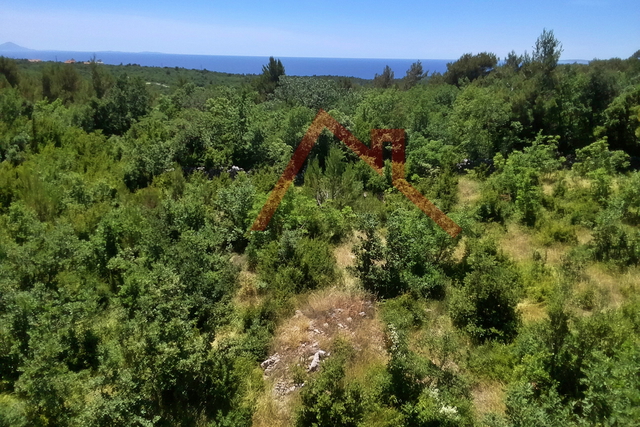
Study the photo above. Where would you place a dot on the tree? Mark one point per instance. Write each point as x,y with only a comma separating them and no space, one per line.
9,68
69,81
414,74
513,61
337,182
126,102
384,80
485,306
100,80
471,67
311,92
547,51
270,77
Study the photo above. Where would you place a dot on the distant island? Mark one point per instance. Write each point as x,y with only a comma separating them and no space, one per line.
12,47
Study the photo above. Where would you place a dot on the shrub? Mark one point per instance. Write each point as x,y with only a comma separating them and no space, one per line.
557,231
485,305
611,242
328,400
597,156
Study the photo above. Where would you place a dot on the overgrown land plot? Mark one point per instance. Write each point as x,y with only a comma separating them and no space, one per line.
133,294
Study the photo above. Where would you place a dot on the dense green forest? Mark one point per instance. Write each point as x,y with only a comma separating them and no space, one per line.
132,292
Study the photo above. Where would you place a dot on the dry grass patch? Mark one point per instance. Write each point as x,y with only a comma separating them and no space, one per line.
612,285
520,245
517,243
488,397
555,253
248,294
344,259
322,317
584,235
532,312
468,191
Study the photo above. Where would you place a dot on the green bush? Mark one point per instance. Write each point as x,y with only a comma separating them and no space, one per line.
484,305
328,400
552,231
612,242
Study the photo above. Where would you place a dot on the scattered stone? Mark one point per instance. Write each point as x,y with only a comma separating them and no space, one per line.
362,314
282,387
270,364
349,319
316,360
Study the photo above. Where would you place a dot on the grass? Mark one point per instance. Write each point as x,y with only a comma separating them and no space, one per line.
468,191
517,243
488,397
611,285
321,317
344,259
532,311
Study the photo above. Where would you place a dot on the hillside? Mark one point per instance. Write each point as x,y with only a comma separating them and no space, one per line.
135,292
12,47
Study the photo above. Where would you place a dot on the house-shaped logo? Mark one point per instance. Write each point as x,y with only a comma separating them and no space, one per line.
372,156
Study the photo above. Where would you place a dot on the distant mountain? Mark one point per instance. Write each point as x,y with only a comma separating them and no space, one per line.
12,47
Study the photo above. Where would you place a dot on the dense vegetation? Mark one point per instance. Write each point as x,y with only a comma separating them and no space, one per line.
133,294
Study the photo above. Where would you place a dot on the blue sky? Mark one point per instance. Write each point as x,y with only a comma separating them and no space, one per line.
374,29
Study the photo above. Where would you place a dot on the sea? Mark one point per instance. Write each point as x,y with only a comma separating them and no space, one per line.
364,68
294,66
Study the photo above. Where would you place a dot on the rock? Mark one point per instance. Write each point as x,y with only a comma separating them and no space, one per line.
362,314
269,364
315,362
349,319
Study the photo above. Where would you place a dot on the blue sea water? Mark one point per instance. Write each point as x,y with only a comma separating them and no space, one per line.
294,66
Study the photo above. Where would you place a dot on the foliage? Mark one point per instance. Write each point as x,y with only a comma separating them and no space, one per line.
270,77
384,80
336,183
597,156
9,69
309,92
485,304
328,401
470,67
132,291
415,73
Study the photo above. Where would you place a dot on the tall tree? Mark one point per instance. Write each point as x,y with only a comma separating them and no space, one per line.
414,74
384,80
270,77
100,80
547,51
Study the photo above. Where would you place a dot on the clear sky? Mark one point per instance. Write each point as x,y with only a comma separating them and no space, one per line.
326,28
